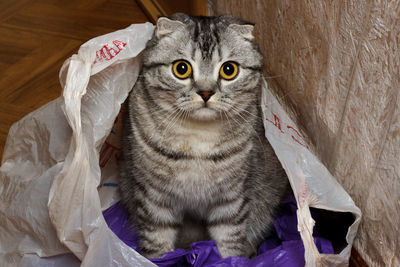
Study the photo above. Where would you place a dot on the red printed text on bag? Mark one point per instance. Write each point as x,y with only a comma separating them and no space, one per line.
109,52
296,136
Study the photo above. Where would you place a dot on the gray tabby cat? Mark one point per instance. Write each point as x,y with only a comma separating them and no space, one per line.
194,144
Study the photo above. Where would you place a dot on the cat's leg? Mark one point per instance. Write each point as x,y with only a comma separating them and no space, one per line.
227,225
158,228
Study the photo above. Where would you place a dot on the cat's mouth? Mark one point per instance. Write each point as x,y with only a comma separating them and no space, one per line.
204,111
198,109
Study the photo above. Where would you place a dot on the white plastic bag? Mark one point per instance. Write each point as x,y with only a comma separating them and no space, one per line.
50,203
311,182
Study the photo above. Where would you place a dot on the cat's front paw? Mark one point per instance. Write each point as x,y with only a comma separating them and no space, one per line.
236,250
154,253
156,241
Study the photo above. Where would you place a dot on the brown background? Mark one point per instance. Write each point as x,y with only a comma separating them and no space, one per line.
338,63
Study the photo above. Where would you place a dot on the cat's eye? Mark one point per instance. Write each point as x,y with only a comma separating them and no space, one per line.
229,70
181,69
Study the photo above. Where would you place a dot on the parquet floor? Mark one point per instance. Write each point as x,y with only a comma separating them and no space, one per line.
36,36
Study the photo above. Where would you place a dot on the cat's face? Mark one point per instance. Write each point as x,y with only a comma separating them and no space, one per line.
206,68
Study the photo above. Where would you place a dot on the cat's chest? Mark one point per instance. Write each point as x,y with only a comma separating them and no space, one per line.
196,140
197,173
198,182
196,145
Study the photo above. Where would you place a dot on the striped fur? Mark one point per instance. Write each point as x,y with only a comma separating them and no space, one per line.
184,158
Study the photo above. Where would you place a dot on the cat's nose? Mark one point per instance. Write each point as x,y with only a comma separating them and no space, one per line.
205,94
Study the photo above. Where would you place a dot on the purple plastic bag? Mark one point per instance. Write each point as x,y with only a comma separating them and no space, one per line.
284,248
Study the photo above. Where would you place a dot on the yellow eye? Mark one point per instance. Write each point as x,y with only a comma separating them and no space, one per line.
229,70
182,69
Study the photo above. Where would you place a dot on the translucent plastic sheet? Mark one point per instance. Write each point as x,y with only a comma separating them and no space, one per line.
54,184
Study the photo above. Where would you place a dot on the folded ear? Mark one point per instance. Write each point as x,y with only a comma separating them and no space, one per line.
166,26
245,30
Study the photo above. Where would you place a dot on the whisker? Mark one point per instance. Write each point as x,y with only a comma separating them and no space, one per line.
156,127
236,111
230,106
174,120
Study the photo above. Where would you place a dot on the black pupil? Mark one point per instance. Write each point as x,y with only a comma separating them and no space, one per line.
228,69
182,68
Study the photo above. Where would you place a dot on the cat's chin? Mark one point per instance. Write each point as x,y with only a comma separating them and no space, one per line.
204,114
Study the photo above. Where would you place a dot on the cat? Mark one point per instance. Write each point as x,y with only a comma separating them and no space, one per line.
194,145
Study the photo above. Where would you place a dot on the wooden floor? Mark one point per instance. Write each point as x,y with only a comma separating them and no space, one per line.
36,36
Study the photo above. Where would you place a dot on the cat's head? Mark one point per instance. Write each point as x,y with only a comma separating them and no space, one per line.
205,67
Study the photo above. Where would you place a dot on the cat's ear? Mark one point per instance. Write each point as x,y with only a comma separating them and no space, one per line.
166,26
245,30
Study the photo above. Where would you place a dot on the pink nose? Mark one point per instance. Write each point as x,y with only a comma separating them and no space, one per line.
205,95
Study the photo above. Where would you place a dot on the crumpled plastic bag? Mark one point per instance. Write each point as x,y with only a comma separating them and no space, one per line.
54,185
